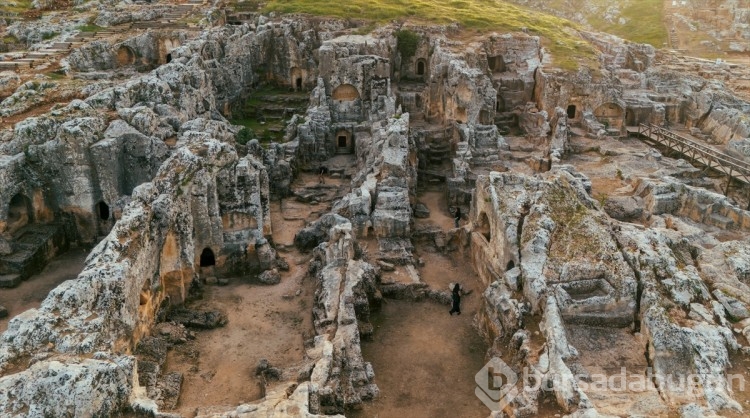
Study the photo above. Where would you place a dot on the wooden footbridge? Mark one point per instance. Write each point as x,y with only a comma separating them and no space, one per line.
732,167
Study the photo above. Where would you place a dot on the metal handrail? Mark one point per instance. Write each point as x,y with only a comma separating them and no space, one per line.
726,160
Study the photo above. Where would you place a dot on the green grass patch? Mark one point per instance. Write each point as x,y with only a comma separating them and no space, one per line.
644,22
9,39
407,43
248,115
49,35
90,28
15,6
562,39
55,75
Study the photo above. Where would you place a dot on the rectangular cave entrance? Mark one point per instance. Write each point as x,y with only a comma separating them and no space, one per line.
344,141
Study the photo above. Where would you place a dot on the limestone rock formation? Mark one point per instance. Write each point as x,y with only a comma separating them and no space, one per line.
144,167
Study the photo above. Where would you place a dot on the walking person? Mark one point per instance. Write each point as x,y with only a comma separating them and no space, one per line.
457,215
456,296
321,172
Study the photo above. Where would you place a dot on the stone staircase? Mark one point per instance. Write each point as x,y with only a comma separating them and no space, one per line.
268,108
506,122
22,60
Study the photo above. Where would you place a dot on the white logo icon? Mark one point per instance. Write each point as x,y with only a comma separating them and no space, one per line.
496,384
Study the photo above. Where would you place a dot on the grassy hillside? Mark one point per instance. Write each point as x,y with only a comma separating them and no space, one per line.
643,22
15,6
636,20
560,34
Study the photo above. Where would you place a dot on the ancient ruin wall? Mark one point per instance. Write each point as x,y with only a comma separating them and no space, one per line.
149,256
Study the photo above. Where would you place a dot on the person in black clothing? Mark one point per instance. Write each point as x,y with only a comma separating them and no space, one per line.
457,215
321,172
456,296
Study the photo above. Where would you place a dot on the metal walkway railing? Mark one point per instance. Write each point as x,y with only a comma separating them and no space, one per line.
732,167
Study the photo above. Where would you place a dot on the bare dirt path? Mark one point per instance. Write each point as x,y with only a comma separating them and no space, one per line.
31,292
436,203
268,322
425,359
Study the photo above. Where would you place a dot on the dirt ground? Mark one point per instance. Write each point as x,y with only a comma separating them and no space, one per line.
739,374
268,322
440,270
31,292
425,359
436,203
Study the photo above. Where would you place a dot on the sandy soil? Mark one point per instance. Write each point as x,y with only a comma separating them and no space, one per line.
436,203
283,230
439,270
30,293
264,322
424,359
268,322
740,384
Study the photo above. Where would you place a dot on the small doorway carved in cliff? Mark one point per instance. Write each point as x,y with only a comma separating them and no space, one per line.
484,227
496,64
19,211
571,111
344,142
207,258
500,107
299,83
420,67
169,57
102,209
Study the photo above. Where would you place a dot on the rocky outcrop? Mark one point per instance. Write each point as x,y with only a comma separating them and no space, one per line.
540,227
149,256
669,196
631,275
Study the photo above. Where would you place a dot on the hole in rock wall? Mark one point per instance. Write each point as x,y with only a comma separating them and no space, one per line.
500,107
484,227
19,211
207,258
420,67
496,64
296,76
102,209
571,111
343,142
